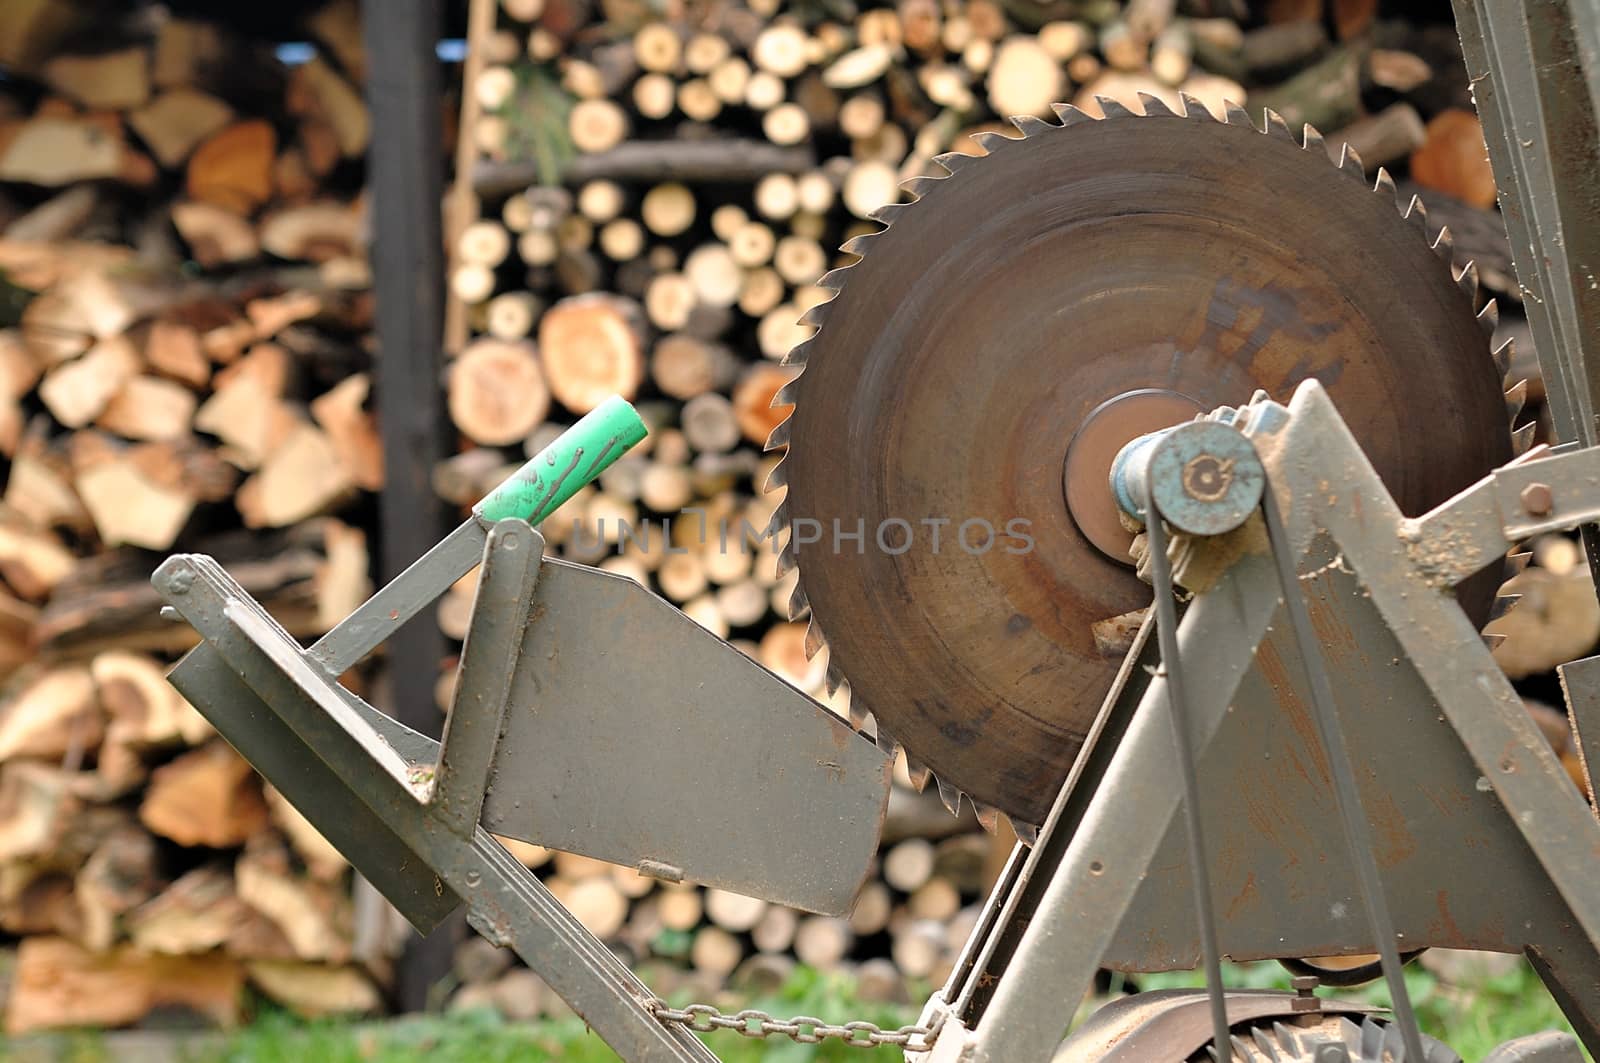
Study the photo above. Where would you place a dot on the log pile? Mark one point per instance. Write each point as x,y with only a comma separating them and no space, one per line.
186,365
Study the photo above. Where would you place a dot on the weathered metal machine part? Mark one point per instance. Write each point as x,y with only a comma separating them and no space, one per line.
635,736
1535,70
292,720
1171,1025
1535,74
1442,738
1079,265
586,712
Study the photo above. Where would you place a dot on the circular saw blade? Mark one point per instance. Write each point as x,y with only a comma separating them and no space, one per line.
953,589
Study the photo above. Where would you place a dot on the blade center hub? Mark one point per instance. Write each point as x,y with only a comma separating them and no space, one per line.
1109,426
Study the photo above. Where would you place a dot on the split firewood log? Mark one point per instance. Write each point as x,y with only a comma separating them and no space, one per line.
58,984
209,796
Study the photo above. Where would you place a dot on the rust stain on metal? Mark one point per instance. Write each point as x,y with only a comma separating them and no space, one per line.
1247,895
1392,839
1444,928
1295,712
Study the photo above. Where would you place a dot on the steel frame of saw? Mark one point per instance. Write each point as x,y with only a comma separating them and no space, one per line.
1483,840
588,715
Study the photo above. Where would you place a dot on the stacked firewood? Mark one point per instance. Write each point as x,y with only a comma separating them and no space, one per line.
185,364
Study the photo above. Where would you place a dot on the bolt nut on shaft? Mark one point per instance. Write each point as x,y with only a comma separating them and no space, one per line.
1205,476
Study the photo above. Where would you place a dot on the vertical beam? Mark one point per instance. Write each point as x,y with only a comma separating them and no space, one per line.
1535,74
1537,87
405,165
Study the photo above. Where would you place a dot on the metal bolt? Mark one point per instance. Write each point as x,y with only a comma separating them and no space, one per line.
1305,999
181,580
1206,478
1537,499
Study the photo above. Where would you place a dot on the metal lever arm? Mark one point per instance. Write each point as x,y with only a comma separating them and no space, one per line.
1539,493
532,493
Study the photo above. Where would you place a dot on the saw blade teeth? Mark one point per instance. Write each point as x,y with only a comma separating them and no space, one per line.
778,438
886,214
1516,398
1275,126
1193,109
1155,107
785,396
884,739
1489,317
1383,183
858,715
1236,115
1026,833
833,679
1029,125
814,316
1503,604
919,187
834,279
955,161
1522,438
990,141
799,604
775,525
1416,216
1444,245
800,352
815,642
1467,281
857,245
1502,356
1492,641
1311,140
1114,108
917,772
1350,163
778,477
949,795
1071,115
988,816
1516,562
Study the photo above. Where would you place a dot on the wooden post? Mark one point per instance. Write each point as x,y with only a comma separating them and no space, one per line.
408,280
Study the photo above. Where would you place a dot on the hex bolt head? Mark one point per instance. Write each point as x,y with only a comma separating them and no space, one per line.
1537,499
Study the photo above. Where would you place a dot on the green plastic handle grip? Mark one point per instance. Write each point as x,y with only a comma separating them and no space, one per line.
557,472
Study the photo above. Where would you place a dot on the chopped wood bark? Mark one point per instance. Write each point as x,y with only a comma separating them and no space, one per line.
59,984
51,714
209,796
315,990
232,169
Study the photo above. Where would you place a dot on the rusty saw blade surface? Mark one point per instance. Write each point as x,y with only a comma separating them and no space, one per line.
981,328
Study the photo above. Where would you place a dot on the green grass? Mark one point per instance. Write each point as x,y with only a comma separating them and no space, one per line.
480,1037
1471,1019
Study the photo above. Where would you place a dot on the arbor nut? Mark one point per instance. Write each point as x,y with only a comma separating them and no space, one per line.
1537,500
1207,477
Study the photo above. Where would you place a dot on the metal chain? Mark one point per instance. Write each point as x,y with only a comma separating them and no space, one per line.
803,1029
